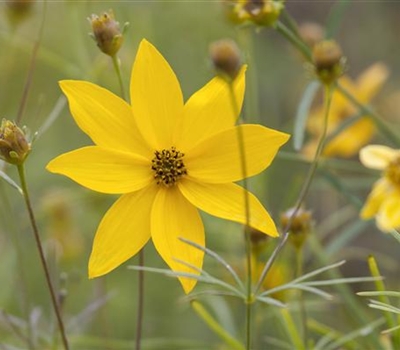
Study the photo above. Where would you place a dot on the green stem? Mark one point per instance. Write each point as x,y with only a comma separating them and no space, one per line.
31,69
242,156
139,315
24,186
140,301
288,34
380,286
303,192
292,330
118,72
369,112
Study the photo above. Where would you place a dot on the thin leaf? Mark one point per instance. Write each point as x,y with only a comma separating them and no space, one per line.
318,271
10,181
200,278
302,114
335,18
216,327
217,257
361,332
342,280
376,293
271,301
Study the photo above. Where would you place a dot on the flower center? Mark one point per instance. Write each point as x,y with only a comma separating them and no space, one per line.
392,172
168,166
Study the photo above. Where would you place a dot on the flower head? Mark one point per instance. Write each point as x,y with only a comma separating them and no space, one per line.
384,200
347,142
106,32
259,12
167,159
14,147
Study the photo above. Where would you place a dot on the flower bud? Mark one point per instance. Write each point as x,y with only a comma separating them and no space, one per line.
225,56
18,10
328,61
311,33
298,225
262,12
14,148
106,32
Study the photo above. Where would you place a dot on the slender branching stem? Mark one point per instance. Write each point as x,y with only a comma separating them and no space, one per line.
299,44
140,300
139,315
31,69
21,173
304,190
386,130
117,69
242,156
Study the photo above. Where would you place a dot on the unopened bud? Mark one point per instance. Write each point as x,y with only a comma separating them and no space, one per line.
14,148
311,33
299,224
225,56
18,10
328,61
106,32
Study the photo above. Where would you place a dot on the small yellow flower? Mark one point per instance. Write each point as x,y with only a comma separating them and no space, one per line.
349,141
260,12
167,159
384,200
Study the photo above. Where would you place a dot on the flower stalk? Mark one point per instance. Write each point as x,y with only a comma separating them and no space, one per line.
242,155
306,186
24,186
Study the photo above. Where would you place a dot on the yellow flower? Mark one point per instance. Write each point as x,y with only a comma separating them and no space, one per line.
167,159
349,141
384,200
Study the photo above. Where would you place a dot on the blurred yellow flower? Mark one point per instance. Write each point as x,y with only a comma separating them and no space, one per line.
384,200
349,141
167,159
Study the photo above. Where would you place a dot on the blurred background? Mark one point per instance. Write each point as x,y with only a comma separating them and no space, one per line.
101,313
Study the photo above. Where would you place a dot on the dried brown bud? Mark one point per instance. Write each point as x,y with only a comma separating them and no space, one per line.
14,148
225,56
106,32
311,33
299,225
263,12
328,61
18,10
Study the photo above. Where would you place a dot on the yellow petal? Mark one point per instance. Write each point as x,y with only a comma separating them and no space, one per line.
371,81
388,217
209,111
173,217
226,201
156,96
348,142
217,159
104,170
124,230
105,117
377,156
375,199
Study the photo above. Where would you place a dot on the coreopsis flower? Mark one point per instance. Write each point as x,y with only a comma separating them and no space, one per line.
349,141
383,202
167,159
